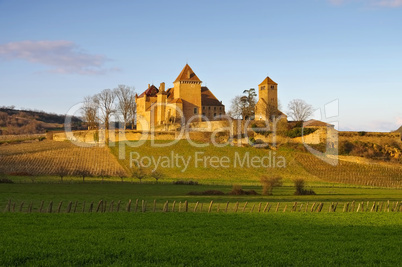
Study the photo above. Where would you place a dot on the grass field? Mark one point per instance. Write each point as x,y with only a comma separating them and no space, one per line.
94,192
191,239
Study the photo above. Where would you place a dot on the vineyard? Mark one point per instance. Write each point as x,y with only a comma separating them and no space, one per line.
352,173
50,158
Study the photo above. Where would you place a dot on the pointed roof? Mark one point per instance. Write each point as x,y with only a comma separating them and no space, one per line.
268,81
187,74
151,91
208,98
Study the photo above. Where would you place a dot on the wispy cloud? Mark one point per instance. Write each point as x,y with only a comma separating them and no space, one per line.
62,56
389,3
378,3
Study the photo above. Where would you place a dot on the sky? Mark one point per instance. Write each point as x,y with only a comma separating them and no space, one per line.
344,57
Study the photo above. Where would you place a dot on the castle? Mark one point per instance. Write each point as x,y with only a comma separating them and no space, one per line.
267,105
186,101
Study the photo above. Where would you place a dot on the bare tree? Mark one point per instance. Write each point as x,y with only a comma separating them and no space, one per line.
105,101
126,103
89,111
236,108
299,110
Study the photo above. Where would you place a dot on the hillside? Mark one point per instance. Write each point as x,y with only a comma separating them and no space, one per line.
399,130
16,122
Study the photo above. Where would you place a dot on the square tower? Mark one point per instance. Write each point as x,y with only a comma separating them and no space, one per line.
267,105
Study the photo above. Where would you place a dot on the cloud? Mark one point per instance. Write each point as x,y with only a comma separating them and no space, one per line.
378,3
62,56
389,3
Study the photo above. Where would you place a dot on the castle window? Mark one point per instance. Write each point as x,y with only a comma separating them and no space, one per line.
203,108
214,114
220,108
262,87
203,114
195,110
209,108
214,108
272,87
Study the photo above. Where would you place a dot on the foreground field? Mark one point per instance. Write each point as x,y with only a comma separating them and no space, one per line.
190,239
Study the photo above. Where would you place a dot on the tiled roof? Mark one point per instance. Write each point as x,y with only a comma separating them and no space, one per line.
268,81
187,74
208,98
151,91
176,100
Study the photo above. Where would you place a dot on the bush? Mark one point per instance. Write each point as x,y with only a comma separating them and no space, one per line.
238,191
299,131
299,186
206,193
5,181
181,182
268,184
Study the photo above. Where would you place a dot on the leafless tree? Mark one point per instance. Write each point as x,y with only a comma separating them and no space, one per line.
105,101
126,103
89,111
299,110
236,108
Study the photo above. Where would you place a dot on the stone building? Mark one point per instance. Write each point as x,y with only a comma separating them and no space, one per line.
267,105
186,101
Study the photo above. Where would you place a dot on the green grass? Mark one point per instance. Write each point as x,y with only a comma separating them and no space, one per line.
94,192
200,239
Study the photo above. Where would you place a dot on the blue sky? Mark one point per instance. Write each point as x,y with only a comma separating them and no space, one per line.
54,53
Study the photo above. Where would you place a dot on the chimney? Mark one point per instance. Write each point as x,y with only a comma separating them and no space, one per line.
149,86
162,87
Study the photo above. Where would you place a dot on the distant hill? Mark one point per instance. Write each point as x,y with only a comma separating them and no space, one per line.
15,122
399,130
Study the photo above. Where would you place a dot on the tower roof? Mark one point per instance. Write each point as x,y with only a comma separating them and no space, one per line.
268,81
187,74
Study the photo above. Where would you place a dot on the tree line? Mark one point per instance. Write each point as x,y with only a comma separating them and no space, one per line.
118,103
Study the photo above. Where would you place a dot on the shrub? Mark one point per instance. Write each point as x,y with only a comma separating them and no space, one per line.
268,184
299,186
206,193
299,131
181,182
238,191
362,133
5,181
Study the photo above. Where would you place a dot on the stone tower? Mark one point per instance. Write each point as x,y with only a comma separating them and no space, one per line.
187,87
267,105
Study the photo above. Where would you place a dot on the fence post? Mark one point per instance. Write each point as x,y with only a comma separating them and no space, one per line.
252,209
99,206
70,204
245,205
294,207
136,205
128,205
104,206
312,207
227,206
210,206
388,206
301,206
21,206
41,206
265,208
111,207
196,206
218,208
284,210
118,206
8,207
59,208
186,205
173,205
30,207
277,207
91,207
305,209
202,204
49,209
75,206
358,208
154,209
83,206
180,206
259,207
